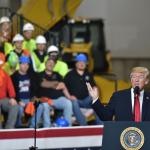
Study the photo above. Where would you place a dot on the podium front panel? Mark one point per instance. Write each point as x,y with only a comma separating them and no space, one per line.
113,131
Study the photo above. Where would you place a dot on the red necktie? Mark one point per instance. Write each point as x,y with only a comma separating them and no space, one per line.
137,109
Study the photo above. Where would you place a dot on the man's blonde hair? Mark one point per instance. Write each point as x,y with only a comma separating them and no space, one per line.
143,70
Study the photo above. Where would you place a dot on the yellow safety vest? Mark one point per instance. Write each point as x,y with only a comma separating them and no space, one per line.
29,45
8,69
61,68
8,48
38,66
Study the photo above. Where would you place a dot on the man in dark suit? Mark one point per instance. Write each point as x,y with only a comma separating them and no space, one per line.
122,104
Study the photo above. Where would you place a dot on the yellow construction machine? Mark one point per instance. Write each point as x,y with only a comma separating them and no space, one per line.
55,19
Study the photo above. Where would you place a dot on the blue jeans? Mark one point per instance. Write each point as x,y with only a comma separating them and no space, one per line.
61,103
42,110
21,113
84,103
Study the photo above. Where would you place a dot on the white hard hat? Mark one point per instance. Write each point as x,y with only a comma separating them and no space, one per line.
4,19
18,37
40,39
28,27
52,48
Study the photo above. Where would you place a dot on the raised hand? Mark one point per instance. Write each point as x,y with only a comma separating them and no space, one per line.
93,91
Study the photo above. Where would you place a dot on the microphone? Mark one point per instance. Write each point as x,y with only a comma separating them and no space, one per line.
136,93
137,90
136,109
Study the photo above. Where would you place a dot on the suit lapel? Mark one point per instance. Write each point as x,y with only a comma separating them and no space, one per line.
129,104
146,100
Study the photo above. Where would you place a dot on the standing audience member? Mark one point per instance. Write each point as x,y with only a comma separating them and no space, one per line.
8,104
18,46
50,85
39,56
12,63
75,81
127,105
60,67
5,35
19,51
29,42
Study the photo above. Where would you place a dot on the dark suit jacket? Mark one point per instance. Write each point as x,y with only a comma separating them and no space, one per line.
120,107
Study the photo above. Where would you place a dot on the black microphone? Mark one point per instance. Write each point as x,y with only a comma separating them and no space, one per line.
137,90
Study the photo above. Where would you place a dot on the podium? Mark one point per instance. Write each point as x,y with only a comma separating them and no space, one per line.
126,136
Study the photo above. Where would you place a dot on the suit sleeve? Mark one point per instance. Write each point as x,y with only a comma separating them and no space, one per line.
105,113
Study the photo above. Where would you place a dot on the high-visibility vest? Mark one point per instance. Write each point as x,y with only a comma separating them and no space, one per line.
38,66
6,67
8,48
61,68
29,45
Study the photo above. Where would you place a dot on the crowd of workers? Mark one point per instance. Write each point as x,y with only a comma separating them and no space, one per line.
34,81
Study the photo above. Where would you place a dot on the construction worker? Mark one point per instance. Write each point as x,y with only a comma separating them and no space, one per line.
29,43
8,104
18,44
5,34
60,66
12,59
39,56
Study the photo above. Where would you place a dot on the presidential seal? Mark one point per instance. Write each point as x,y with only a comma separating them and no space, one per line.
132,138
